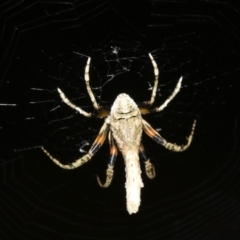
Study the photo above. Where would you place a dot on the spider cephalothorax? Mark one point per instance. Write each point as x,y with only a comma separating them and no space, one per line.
124,125
127,127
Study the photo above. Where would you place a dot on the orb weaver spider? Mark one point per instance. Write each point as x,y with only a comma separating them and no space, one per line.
124,126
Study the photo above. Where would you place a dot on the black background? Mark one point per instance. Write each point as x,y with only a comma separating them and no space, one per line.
45,45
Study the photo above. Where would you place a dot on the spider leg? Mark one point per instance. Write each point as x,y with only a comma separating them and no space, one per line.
159,139
113,156
87,78
145,110
70,104
149,167
170,98
156,74
95,147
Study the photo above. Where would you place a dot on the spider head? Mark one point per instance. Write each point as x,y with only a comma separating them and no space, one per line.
124,106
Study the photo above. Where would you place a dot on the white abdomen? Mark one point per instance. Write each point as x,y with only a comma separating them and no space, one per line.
133,181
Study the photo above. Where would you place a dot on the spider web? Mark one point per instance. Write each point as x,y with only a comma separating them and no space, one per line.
45,45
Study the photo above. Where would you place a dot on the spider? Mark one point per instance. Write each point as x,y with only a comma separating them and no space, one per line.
124,126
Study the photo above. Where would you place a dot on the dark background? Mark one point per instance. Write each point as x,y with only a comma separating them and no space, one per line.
45,45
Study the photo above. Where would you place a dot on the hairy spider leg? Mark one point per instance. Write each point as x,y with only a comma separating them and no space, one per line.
95,147
144,110
72,105
160,140
87,79
156,74
170,98
113,156
149,167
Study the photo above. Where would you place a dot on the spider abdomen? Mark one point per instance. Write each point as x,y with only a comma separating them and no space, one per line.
133,180
126,128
